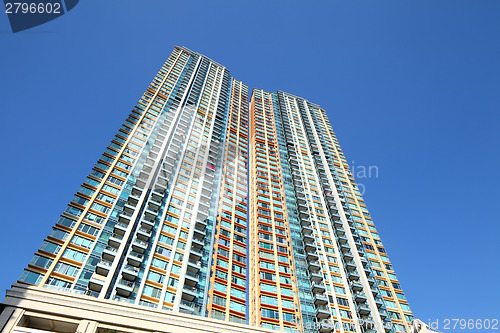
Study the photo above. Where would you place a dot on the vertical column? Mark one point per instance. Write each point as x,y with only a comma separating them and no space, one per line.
274,301
228,283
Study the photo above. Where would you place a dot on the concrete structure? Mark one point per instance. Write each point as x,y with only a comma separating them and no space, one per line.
27,309
209,204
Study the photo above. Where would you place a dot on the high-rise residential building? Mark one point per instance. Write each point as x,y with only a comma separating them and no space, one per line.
211,204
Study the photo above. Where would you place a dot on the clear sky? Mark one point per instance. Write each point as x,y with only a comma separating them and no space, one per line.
411,87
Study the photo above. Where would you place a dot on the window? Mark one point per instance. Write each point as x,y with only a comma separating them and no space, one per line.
41,261
88,229
219,300
220,287
156,277
238,293
50,247
31,277
268,287
267,276
264,299
159,263
286,291
342,301
172,282
151,291
81,241
287,304
268,313
66,269
58,283
59,234
237,306
267,265
74,255
169,297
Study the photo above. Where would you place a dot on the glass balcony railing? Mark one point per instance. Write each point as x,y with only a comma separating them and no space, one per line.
125,284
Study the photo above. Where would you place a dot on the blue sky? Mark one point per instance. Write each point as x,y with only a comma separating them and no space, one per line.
411,87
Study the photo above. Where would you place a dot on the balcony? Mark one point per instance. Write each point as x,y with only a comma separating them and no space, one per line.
147,223
367,323
305,222
307,237
193,265
378,301
359,297
335,216
371,280
307,230
109,253
103,267
120,228
344,248
136,191
348,256
318,288
309,246
186,307
199,233
325,327
134,258
320,299
143,234
323,312
202,213
303,215
124,288
133,198
301,199
356,286
195,254
157,195
312,256
353,276
337,223
188,294
342,239
155,205
329,196
151,213
115,240
128,208
139,246
350,265
314,266
96,282
316,277
130,272
124,218
159,186
363,309
201,224
191,279
197,243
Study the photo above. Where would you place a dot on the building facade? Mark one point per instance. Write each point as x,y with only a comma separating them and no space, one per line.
240,209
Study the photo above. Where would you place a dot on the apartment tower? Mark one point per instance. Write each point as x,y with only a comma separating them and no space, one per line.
211,203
